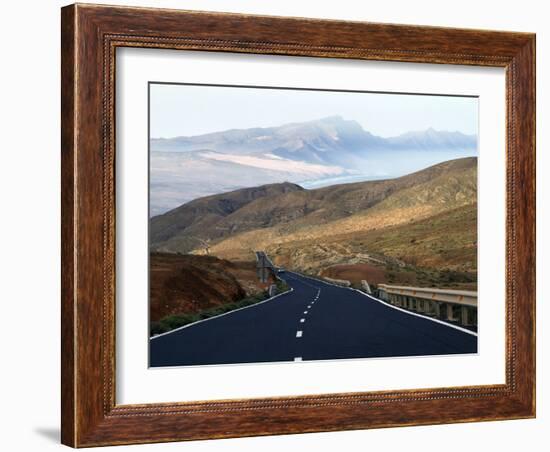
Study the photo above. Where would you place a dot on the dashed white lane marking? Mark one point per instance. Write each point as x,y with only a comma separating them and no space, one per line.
309,307
298,358
302,320
298,334
305,312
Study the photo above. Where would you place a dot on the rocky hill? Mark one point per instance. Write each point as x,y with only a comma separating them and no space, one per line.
231,224
203,220
430,224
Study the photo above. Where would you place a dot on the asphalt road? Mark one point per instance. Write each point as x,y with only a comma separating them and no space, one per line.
315,321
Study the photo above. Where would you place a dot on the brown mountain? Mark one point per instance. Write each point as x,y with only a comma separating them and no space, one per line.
432,223
188,226
267,216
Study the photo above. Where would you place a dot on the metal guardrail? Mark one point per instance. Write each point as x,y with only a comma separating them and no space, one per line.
455,306
339,282
264,266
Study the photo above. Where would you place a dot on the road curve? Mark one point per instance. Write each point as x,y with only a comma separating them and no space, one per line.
316,321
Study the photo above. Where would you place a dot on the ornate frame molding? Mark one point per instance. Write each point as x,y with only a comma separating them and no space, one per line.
90,37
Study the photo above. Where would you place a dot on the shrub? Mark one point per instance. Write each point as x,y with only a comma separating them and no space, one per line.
282,286
158,328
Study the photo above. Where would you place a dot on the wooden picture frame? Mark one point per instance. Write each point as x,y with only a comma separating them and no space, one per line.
90,36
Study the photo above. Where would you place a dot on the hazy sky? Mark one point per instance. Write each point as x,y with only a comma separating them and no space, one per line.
179,110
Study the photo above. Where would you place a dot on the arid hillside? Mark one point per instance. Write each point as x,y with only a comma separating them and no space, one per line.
440,250
193,225
417,229
441,211
288,207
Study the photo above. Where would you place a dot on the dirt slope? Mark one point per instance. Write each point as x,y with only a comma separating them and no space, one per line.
189,284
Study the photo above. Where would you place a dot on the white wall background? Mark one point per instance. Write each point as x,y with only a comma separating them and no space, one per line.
29,102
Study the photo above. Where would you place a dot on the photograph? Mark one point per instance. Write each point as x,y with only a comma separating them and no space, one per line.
295,224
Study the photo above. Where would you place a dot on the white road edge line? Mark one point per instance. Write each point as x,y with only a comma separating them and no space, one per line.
298,333
298,358
225,313
464,330
456,327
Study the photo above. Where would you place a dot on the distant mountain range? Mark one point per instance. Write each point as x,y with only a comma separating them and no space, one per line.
186,168
330,141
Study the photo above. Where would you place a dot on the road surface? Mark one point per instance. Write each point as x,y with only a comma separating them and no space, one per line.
315,321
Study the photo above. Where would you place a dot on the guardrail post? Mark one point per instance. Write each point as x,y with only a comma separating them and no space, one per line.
437,309
365,286
464,316
450,312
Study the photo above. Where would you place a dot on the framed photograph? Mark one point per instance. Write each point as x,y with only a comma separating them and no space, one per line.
282,225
